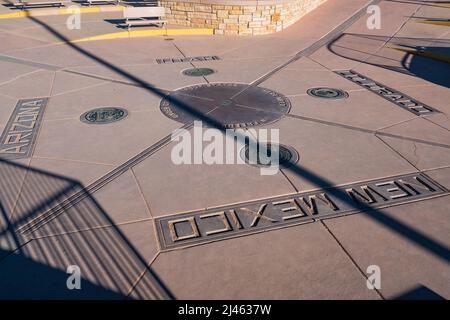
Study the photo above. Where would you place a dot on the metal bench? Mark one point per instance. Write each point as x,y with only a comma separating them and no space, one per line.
90,2
29,4
137,3
140,3
135,16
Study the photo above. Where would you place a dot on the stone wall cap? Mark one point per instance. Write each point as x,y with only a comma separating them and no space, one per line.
236,2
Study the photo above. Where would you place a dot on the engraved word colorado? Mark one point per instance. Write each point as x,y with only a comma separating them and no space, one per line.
226,222
20,132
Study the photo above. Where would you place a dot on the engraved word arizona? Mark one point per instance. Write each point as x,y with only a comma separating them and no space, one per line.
19,135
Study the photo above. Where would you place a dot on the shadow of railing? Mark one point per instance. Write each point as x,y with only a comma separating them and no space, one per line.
439,4
18,280
414,65
90,208
428,69
419,293
87,237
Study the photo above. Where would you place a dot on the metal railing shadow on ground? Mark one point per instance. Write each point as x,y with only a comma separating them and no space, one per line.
428,3
109,263
419,292
420,65
414,236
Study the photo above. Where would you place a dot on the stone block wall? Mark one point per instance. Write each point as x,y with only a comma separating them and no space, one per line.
238,17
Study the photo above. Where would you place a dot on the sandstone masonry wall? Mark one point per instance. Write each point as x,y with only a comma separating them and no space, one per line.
238,17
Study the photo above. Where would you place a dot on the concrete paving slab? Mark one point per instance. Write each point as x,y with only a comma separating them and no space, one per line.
249,69
388,58
56,55
369,112
427,145
404,263
8,105
13,71
118,51
193,46
416,29
433,95
348,51
31,191
441,175
270,47
72,104
59,25
305,63
14,42
163,76
10,25
393,16
165,194
391,78
293,82
441,120
128,205
67,178
341,165
423,156
332,61
302,249
420,129
25,87
13,176
55,134
81,171
109,264
168,77
321,22
68,82
98,210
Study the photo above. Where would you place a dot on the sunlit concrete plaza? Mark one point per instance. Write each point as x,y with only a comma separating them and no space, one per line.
116,175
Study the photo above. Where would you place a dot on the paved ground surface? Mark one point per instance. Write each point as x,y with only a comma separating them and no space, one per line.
97,196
